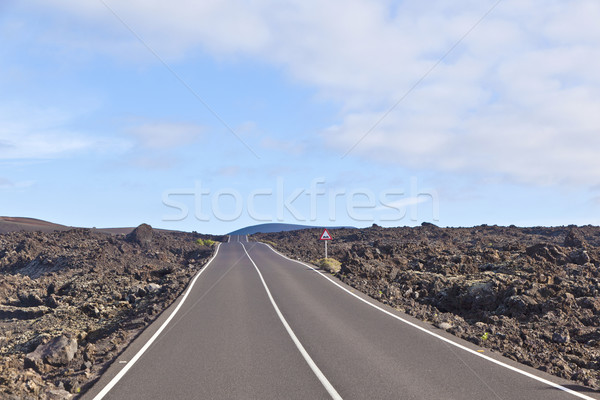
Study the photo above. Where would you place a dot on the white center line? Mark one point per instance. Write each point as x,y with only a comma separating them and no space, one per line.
324,381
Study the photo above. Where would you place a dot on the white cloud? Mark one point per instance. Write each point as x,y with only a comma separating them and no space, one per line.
161,135
518,98
28,133
8,184
49,144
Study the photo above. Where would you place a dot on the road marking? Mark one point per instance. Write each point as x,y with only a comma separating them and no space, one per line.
460,346
324,381
126,368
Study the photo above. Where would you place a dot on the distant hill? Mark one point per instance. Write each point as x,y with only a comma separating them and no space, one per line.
20,224
275,227
17,224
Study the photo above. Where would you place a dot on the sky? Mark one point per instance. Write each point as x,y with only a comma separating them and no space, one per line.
215,115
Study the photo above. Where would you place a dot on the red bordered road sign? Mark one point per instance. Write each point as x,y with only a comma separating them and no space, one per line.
325,235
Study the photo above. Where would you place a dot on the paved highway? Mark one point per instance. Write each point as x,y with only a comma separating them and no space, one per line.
256,325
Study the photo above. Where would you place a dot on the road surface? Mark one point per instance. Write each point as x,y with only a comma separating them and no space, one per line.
256,325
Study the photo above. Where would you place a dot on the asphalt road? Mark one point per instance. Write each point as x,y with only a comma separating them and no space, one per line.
256,325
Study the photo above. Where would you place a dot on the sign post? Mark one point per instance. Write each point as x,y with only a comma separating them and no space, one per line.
325,236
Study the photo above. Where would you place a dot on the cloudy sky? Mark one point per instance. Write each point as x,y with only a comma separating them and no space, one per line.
214,115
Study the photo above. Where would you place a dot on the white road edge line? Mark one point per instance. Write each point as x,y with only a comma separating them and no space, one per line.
126,368
324,381
460,346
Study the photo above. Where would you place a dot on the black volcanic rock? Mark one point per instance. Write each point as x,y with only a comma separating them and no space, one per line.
30,299
57,352
579,256
549,252
141,235
574,239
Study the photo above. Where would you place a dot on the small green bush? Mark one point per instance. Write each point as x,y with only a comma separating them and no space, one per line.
330,265
272,244
205,242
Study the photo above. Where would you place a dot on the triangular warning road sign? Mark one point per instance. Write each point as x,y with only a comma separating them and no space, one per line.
325,235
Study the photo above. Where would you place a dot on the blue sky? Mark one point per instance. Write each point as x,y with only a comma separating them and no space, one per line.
218,115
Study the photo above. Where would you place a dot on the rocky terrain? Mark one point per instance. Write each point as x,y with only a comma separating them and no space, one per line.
71,301
531,294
